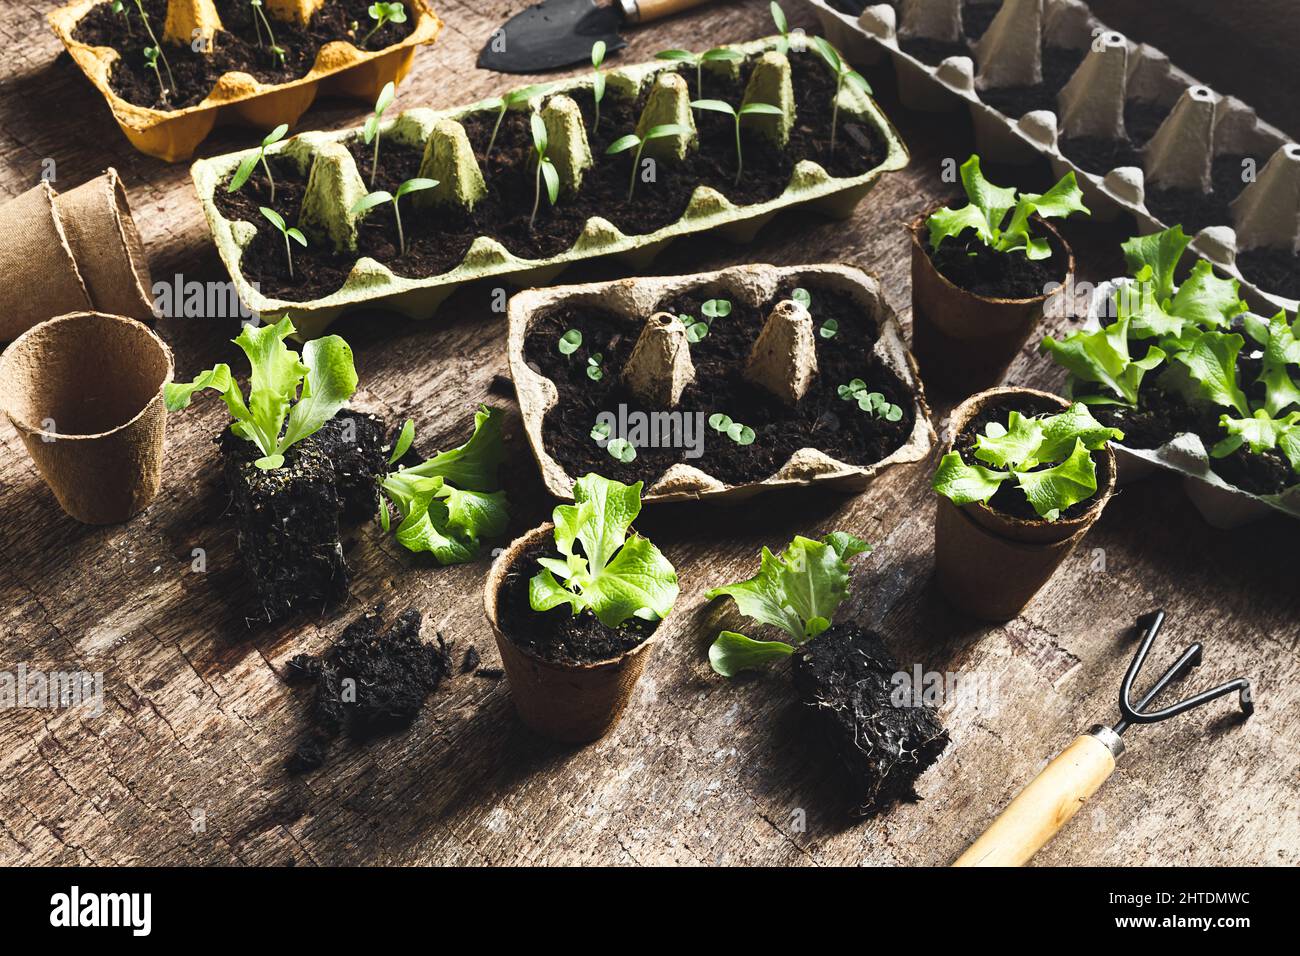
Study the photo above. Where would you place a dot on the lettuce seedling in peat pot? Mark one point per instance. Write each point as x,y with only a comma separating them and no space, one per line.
294,462
982,275
575,606
448,503
1024,476
252,159
843,673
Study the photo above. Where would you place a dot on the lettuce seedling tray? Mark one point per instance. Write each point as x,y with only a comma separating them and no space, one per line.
453,148
340,69
1141,135
828,367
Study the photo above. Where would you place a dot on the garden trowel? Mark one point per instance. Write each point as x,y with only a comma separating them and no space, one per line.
557,33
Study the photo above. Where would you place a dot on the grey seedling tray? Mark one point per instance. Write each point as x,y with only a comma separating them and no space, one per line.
1201,123
1221,504
638,299
373,285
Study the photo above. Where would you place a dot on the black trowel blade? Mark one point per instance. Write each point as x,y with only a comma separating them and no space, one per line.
552,34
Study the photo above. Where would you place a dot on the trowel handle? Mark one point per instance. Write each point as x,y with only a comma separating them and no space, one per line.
1051,799
643,11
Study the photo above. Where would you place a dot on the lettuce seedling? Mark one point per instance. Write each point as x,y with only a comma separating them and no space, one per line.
597,80
594,370
697,61
1210,362
1262,432
503,103
712,309
874,403
622,450
158,52
624,143
450,501
797,591
383,14
616,576
740,434
1281,346
843,74
545,168
370,200
749,109
1102,358
289,398
371,130
275,219
569,342
989,206
250,162
1019,451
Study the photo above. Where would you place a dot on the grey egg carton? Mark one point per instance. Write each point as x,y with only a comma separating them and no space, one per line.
1201,123
1221,504
640,298
373,285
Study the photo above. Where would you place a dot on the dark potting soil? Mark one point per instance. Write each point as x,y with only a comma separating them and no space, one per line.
1009,499
846,676
288,518
1098,155
932,52
821,419
976,15
1141,120
1059,64
437,242
391,673
1273,270
559,635
969,264
236,47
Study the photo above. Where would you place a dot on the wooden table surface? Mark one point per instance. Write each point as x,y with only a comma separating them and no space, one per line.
186,763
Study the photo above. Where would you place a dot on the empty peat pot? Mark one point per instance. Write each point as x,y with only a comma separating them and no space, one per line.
84,391
569,702
990,564
963,341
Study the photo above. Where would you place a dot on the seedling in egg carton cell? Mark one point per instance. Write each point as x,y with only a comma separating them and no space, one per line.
624,143
250,162
371,200
749,109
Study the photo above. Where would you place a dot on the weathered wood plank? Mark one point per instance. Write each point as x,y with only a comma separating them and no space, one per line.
186,763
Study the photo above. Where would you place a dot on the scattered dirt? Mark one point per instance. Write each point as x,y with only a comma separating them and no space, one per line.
820,420
845,675
438,243
558,635
234,48
1009,499
370,682
1273,270
288,518
969,264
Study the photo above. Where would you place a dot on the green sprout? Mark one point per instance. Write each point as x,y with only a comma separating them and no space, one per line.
507,102
802,297
600,431
545,168
873,402
778,17
723,424
712,309
843,74
259,21
151,58
598,79
828,329
250,162
569,342
718,106
296,235
382,14
279,53
371,130
622,450
119,8
624,143
157,47
371,200
697,61
594,371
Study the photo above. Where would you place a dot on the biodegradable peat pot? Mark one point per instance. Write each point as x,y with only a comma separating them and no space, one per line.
573,703
84,391
962,341
990,564
173,135
68,252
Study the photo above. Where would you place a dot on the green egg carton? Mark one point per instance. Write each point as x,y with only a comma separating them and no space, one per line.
335,184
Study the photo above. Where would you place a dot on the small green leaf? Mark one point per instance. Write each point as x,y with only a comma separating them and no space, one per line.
371,200
732,653
802,296
403,443
623,144
963,484
716,106
569,342
538,129
622,450
1053,490
678,56
415,186
552,179
245,170
275,135
1212,364
719,422
598,53
828,329
1161,251
273,217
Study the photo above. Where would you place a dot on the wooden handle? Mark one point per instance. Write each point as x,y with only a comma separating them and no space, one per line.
647,10
1043,807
